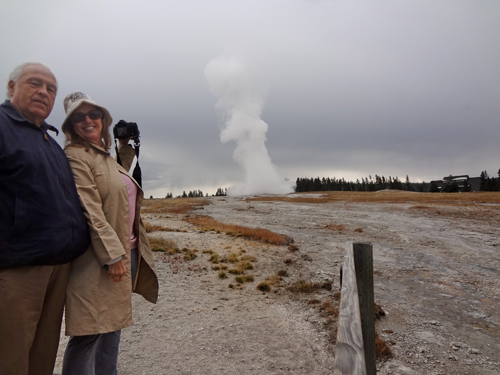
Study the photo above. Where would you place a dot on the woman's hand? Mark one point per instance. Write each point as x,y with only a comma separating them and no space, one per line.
117,271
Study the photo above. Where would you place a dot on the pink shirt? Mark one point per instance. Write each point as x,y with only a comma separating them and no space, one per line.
132,198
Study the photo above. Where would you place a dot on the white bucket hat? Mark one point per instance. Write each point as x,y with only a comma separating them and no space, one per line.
73,100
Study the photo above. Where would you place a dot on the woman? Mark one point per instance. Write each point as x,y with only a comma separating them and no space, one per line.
119,259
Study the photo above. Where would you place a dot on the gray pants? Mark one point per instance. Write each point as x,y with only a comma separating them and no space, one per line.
92,354
95,354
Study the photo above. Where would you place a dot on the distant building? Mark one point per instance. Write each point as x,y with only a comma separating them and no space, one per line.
462,182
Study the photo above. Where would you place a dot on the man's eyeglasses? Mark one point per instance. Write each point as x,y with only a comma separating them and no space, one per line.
80,116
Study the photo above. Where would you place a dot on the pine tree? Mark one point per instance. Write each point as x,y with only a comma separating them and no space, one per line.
484,181
434,187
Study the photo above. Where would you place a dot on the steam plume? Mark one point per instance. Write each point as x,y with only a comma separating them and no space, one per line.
241,107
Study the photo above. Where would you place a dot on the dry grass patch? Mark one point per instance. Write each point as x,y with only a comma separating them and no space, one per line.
273,280
244,279
238,231
302,286
158,228
245,266
248,258
172,205
189,254
382,349
161,244
328,310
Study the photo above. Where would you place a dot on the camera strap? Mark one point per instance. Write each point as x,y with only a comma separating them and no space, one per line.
137,174
118,160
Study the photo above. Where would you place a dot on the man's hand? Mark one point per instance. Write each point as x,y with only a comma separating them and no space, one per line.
117,271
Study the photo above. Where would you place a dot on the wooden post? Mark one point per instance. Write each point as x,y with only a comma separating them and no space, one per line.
363,264
355,349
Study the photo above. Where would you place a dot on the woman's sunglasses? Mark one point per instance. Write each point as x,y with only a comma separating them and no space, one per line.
80,116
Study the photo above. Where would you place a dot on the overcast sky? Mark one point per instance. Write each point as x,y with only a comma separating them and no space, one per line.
347,88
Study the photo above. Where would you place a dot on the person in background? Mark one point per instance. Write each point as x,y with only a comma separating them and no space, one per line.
42,227
119,259
127,153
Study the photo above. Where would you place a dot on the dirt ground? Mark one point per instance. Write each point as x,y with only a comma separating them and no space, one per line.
436,273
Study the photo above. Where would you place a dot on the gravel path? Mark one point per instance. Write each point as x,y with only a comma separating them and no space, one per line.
436,275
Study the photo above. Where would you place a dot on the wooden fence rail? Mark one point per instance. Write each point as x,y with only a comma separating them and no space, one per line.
355,350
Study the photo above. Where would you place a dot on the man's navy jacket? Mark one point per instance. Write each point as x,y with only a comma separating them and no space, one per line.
41,219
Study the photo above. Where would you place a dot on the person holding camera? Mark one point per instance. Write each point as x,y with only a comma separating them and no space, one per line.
125,131
125,152
118,260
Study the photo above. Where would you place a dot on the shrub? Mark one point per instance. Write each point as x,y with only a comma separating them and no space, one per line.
264,287
273,280
244,279
190,254
245,266
233,258
302,286
248,258
160,244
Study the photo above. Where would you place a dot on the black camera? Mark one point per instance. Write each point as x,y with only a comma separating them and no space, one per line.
124,129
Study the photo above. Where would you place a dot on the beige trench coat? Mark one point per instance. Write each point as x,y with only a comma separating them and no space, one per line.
94,302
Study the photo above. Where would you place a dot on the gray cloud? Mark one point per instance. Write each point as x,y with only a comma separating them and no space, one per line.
351,88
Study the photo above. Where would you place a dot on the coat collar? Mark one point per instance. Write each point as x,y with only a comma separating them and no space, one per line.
14,114
99,148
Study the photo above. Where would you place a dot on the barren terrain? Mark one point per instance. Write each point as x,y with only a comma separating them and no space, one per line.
436,272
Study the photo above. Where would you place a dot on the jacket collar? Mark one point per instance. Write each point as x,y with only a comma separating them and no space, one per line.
100,148
14,114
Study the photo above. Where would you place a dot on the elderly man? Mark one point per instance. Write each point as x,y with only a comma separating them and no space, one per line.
42,227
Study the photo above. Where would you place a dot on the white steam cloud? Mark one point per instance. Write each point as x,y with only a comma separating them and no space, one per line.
241,107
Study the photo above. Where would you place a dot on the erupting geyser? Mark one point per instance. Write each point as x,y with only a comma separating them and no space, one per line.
229,82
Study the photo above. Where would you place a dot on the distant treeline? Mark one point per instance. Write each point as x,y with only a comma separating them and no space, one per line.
366,184
197,193
380,183
489,183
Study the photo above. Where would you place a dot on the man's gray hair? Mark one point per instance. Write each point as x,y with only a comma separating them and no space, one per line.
18,72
